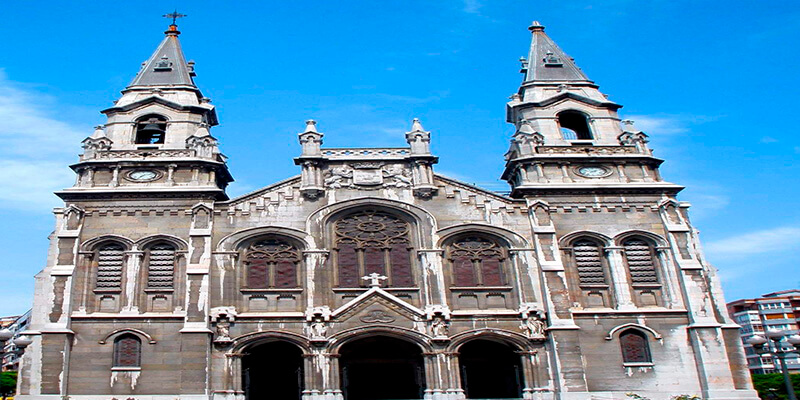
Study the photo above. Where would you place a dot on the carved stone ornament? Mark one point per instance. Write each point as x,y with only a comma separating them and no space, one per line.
533,323
377,317
440,329
222,318
367,175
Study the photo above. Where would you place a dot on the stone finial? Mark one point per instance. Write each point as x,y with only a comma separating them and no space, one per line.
311,126
416,126
536,27
311,140
628,125
202,131
98,132
419,139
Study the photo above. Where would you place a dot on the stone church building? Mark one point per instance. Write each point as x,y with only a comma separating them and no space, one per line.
369,275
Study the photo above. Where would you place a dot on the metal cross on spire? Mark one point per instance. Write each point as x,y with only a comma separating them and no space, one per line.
174,15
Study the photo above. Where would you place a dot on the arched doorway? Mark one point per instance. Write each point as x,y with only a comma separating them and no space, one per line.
490,370
381,367
273,370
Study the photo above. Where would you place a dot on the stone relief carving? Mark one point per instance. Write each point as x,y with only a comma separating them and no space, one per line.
376,317
367,175
222,318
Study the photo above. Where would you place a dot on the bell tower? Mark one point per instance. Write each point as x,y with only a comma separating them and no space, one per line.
569,138
156,141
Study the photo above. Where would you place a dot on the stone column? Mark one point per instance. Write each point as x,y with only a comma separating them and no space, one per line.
568,372
619,278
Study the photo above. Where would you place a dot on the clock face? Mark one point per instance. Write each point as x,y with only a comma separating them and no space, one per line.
143,175
592,172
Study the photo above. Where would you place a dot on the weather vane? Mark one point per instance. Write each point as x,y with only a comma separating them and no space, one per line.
174,15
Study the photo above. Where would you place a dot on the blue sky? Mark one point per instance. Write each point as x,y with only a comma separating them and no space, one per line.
712,83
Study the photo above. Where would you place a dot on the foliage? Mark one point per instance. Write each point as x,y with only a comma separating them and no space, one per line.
771,386
8,383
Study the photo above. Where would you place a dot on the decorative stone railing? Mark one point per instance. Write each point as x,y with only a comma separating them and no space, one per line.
588,150
386,153
143,153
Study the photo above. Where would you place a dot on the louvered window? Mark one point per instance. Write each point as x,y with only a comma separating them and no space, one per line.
272,263
373,242
127,351
477,261
161,266
588,260
639,256
110,259
635,348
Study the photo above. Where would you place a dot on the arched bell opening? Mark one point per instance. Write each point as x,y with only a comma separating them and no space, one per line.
490,370
273,370
382,367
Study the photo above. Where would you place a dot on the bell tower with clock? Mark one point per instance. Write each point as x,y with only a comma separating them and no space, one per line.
569,139
156,142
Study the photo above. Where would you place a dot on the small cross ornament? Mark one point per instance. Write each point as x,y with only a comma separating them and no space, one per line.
375,279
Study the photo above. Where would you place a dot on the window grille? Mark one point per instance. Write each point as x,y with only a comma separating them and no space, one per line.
272,263
110,259
477,261
639,256
588,261
373,242
161,266
127,351
635,348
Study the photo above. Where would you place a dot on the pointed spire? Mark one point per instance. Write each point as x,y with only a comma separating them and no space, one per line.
167,67
99,133
311,126
547,62
416,126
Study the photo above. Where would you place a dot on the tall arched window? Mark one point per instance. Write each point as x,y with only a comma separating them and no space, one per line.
127,351
151,129
635,348
574,125
588,261
110,258
373,241
477,261
639,256
272,263
160,266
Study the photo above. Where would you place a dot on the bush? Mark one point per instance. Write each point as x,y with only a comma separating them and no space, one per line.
770,386
8,383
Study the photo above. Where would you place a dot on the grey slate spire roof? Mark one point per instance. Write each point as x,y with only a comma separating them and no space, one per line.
548,63
167,66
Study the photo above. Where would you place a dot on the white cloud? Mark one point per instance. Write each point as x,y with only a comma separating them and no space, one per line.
764,241
667,124
472,7
36,148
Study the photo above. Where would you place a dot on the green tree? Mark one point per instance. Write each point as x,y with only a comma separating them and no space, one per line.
8,383
770,386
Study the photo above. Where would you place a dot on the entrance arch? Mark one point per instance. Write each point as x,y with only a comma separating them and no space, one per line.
273,370
490,370
382,367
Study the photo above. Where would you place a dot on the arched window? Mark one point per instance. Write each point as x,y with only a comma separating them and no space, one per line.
635,348
588,261
151,129
574,125
272,263
127,351
160,266
477,261
640,259
110,258
369,242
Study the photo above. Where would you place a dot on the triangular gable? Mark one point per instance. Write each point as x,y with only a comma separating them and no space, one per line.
376,292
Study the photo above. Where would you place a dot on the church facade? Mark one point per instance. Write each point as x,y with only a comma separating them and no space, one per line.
369,276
